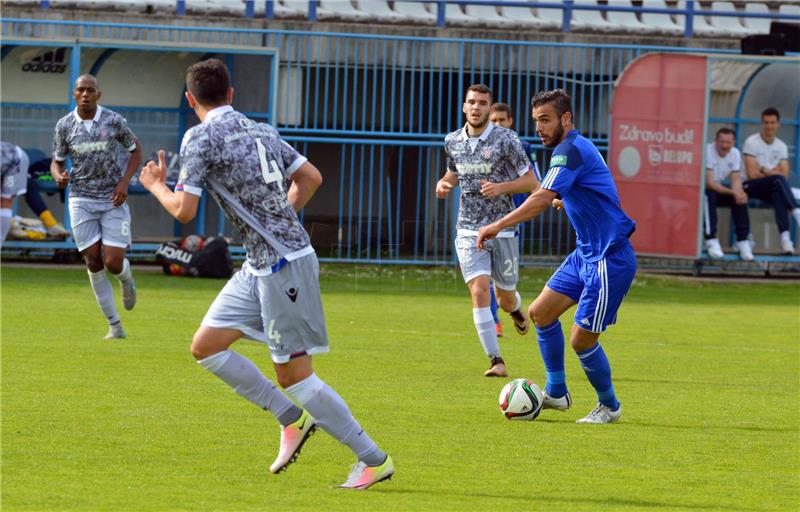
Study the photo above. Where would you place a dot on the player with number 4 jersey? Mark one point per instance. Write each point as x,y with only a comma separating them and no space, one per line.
260,182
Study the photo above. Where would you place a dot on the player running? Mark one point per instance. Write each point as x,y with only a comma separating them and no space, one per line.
101,221
489,164
597,275
260,182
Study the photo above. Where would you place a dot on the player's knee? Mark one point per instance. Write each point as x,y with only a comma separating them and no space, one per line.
540,314
93,263
201,348
113,264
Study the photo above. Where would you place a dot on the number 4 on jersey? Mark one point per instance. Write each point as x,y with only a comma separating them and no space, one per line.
270,171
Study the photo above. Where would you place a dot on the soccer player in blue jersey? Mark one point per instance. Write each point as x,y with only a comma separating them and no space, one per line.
597,275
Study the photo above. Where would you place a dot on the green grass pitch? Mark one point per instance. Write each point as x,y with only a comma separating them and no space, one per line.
709,375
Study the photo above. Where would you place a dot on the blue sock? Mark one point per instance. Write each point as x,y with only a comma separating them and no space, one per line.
551,345
493,303
598,371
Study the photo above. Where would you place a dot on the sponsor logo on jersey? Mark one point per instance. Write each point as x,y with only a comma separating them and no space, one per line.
558,161
470,168
51,61
89,147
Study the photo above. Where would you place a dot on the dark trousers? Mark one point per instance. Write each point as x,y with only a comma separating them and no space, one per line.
741,220
774,190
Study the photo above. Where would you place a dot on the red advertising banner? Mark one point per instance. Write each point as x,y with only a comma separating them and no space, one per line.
658,114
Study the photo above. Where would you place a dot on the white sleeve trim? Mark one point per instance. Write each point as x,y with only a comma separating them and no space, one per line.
522,170
130,149
296,165
59,158
195,191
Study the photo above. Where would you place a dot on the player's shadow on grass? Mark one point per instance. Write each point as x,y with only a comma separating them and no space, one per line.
595,504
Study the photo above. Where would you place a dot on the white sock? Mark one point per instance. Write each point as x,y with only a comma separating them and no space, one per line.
518,303
104,295
247,380
333,415
796,213
5,222
786,236
125,275
487,333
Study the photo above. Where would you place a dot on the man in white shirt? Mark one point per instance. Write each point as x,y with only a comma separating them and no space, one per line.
723,165
766,169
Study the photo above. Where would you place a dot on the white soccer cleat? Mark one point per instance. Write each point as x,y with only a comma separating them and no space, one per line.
602,414
787,246
115,332
293,437
745,250
57,231
362,476
128,293
713,248
560,404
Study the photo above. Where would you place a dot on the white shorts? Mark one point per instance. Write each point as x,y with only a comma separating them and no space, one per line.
499,260
287,302
94,220
16,183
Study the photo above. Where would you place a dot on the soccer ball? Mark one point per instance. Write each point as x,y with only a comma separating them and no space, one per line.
193,243
521,399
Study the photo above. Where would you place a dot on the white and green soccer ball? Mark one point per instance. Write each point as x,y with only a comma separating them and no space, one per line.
521,399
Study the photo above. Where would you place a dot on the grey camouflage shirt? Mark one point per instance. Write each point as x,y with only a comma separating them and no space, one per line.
245,167
9,158
94,151
498,157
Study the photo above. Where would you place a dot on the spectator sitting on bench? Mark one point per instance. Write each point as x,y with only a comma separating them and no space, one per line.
724,164
766,166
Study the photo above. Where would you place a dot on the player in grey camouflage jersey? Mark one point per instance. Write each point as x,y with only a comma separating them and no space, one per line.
489,164
260,182
93,136
14,181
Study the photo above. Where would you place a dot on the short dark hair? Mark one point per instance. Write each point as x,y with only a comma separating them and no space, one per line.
208,81
502,107
771,111
558,97
725,130
481,88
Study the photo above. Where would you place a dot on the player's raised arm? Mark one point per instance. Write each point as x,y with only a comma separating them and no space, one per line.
181,205
305,181
446,184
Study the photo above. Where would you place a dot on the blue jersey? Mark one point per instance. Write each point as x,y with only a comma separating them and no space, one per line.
581,178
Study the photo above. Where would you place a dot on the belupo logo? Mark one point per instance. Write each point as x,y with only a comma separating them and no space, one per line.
51,61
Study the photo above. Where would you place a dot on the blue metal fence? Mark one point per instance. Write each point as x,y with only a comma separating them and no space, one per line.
372,112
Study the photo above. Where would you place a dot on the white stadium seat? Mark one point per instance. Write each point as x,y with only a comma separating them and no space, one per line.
485,14
589,20
378,10
728,25
660,22
453,15
524,16
340,10
785,8
414,11
552,17
756,25
627,21
290,8
700,26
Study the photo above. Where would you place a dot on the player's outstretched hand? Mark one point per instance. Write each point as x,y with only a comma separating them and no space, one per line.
486,233
120,193
442,189
489,189
153,173
558,204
